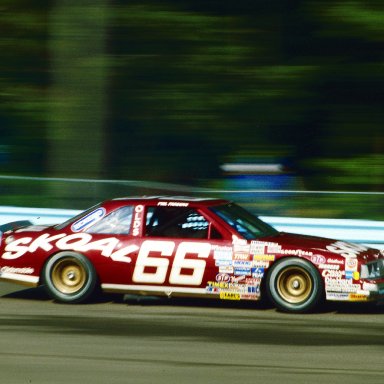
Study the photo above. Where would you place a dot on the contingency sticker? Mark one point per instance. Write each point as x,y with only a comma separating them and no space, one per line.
89,219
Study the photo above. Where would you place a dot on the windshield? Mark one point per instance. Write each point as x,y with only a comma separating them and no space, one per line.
243,222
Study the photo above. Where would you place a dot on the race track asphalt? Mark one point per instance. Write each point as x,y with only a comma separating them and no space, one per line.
184,341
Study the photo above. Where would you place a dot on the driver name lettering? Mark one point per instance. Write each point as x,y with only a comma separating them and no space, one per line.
172,204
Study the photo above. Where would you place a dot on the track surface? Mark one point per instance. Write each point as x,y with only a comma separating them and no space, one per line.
190,341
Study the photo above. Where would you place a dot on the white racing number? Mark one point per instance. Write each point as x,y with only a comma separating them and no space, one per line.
159,264
197,266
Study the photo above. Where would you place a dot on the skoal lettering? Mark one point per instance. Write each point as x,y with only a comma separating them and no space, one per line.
81,242
346,249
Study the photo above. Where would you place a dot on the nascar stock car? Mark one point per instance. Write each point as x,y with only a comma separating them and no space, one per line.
187,247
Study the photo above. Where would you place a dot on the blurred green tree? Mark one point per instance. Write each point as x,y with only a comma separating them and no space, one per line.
24,80
166,90
78,60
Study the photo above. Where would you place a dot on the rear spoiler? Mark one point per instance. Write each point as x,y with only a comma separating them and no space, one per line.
14,225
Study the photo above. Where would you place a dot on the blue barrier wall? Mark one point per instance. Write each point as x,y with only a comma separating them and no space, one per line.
43,216
359,231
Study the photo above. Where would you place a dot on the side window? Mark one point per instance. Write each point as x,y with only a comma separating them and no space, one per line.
117,222
176,222
215,234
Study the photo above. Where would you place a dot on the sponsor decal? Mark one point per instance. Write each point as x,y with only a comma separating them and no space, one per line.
346,249
356,275
348,274
257,273
230,296
338,285
238,279
242,271
335,261
253,289
210,289
296,252
273,248
222,252
137,220
290,252
241,248
252,281
88,220
261,247
236,241
223,263
257,247
22,271
261,264
351,264
249,296
357,297
242,264
242,256
329,266
226,269
223,277
332,274
218,284
318,259
338,296
264,257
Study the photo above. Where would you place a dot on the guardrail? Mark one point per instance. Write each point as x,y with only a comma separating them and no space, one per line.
367,232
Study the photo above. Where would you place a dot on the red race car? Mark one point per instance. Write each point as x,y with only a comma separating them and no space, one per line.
187,247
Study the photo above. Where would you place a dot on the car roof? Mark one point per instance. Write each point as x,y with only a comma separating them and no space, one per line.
174,201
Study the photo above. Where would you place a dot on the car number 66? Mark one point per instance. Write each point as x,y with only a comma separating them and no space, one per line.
161,264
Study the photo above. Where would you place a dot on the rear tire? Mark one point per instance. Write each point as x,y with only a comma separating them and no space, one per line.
294,285
69,277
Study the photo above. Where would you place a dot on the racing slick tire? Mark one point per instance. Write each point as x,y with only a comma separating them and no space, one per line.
294,285
69,277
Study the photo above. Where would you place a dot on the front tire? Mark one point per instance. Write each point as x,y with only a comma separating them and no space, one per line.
69,277
294,285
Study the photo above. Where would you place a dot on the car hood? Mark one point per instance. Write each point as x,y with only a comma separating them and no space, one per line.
13,225
322,245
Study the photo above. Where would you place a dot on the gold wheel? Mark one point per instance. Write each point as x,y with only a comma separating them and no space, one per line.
68,275
294,284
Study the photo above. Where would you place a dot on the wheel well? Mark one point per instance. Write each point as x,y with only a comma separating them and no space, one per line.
41,276
265,276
